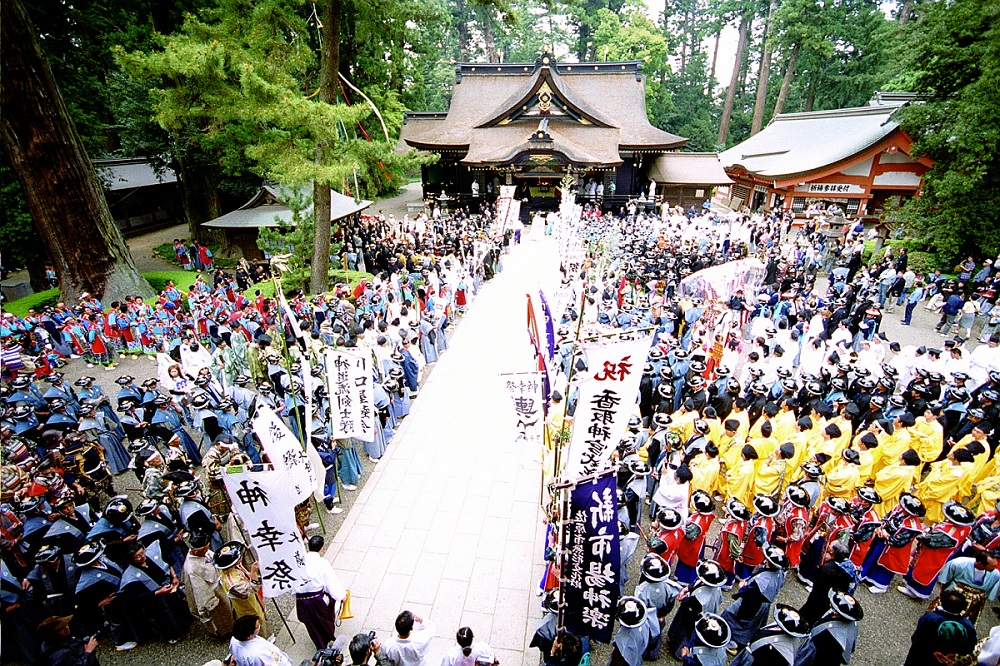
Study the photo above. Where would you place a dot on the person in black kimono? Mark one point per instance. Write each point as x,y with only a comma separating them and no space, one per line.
149,591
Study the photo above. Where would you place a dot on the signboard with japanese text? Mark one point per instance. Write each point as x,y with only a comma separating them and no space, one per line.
285,452
608,391
525,391
267,510
352,396
591,560
831,188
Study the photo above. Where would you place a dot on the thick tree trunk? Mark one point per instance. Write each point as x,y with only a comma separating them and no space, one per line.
764,74
463,32
329,66
491,44
715,60
786,80
727,107
200,199
61,190
905,12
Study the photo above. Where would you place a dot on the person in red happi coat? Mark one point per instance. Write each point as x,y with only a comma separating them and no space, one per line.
863,509
730,545
695,530
793,523
935,547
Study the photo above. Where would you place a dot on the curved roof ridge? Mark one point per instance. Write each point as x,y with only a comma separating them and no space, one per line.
545,74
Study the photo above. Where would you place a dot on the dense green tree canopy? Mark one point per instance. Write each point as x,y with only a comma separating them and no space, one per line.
952,57
224,91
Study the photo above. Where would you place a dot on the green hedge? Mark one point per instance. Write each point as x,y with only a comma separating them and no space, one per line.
181,279
37,301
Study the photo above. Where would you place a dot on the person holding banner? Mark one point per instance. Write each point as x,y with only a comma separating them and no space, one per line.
243,586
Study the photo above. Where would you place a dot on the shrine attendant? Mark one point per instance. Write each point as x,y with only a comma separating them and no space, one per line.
705,596
868,521
760,533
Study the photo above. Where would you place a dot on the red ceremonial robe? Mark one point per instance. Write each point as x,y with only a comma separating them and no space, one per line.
929,561
897,558
738,528
689,552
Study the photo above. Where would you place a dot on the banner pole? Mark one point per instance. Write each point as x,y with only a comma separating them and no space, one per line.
283,620
556,471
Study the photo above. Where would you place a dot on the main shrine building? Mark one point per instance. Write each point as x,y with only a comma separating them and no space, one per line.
530,124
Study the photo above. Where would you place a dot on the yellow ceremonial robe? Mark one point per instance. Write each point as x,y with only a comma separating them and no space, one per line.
941,485
928,439
739,482
705,473
771,476
892,481
842,480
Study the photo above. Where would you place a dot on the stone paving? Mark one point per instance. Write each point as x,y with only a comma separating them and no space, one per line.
449,523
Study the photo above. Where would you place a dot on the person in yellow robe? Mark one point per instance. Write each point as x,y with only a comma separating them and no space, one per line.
243,586
891,440
764,444
730,444
773,471
705,469
987,492
894,479
942,483
785,422
767,418
715,428
866,444
683,420
842,442
843,477
981,454
740,414
928,435
740,479
800,440
826,443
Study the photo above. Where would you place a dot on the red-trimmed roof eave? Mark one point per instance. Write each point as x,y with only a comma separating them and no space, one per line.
897,138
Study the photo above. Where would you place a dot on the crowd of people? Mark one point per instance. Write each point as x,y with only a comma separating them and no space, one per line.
115,518
779,434
777,431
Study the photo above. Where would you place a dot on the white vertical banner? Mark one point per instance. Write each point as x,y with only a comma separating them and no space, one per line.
267,510
352,396
609,390
525,391
309,385
285,452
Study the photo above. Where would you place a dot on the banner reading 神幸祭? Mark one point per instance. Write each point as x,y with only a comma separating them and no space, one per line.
525,391
285,452
267,510
352,396
608,390
592,559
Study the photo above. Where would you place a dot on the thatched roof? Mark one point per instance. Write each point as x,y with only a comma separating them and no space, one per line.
592,113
